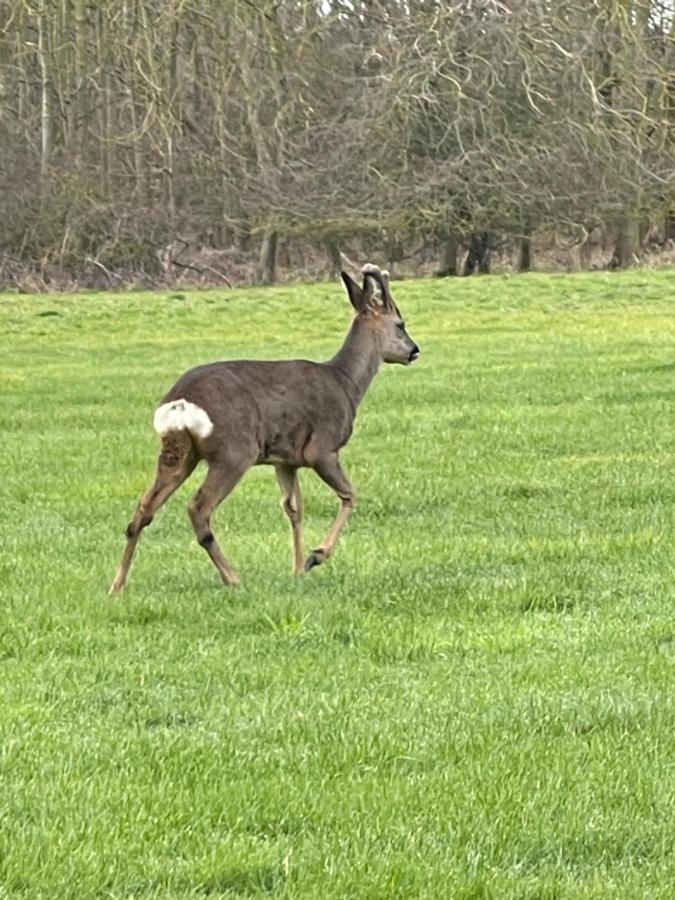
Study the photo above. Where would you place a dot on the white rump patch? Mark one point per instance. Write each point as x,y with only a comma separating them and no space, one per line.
180,415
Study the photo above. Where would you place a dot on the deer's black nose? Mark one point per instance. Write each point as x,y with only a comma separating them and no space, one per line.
414,353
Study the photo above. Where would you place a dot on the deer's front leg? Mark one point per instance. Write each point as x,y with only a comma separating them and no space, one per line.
329,470
291,503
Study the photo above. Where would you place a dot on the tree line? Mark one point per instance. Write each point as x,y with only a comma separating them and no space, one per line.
134,130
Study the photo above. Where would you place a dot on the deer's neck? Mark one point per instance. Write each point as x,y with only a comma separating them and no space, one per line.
358,358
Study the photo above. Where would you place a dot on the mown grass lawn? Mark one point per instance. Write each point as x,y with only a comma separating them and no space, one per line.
475,698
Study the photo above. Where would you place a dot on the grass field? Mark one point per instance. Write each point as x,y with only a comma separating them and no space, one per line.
475,698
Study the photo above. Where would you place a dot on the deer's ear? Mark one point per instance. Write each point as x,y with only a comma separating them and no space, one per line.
354,291
373,295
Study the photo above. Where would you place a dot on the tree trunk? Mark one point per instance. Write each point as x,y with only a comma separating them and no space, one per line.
169,194
267,265
395,253
448,256
76,100
242,235
105,112
334,259
486,253
525,254
172,113
627,246
478,257
45,108
669,228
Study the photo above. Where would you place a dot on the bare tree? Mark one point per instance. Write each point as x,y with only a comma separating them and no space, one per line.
276,123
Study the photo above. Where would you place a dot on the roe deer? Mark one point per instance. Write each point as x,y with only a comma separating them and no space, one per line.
289,414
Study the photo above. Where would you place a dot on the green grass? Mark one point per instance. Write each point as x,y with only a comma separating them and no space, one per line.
473,699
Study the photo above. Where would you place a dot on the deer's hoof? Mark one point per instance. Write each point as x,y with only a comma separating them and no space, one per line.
232,580
315,558
116,586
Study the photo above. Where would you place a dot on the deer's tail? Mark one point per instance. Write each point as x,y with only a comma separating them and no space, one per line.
182,415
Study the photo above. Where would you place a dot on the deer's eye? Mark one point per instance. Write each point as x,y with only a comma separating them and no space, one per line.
400,326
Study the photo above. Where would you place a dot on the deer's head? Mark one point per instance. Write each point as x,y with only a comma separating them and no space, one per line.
375,307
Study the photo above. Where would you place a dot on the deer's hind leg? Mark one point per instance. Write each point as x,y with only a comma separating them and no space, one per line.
176,462
220,480
291,503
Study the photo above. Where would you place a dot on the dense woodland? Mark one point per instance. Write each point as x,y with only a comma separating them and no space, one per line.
218,140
